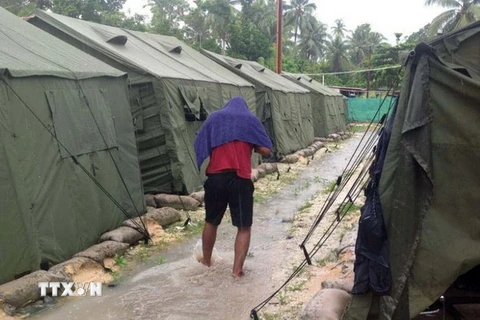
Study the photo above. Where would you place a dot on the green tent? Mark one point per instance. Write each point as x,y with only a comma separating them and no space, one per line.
429,187
50,208
283,106
328,106
172,90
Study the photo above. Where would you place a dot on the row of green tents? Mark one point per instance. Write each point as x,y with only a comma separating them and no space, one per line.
429,188
92,117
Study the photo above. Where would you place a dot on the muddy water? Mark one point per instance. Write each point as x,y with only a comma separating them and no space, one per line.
185,289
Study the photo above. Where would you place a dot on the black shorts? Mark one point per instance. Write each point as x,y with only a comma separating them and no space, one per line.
226,188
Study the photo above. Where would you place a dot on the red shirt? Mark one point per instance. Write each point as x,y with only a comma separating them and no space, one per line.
235,155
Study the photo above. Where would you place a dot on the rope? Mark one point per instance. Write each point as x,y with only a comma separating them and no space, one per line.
144,231
347,202
76,162
142,227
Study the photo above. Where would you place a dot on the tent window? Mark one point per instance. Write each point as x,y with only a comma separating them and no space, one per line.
193,106
80,118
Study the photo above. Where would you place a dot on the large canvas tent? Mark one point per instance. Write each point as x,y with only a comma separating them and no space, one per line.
329,108
59,106
429,187
283,106
172,90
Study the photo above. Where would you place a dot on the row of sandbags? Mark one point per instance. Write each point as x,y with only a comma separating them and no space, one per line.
331,302
25,290
334,137
307,152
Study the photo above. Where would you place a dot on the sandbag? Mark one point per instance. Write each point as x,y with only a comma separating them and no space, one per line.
261,173
255,175
341,284
135,222
334,136
150,200
164,216
318,145
309,152
176,202
318,139
271,167
290,159
326,140
71,267
20,292
199,196
123,235
300,153
104,250
328,304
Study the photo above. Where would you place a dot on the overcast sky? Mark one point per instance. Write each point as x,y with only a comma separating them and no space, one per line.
385,16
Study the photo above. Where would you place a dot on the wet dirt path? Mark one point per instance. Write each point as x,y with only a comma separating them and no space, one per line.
184,289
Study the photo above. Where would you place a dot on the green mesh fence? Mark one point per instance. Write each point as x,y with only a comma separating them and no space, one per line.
363,110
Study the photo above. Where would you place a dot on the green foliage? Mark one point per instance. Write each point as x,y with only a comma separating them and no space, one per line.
24,7
247,29
458,15
162,260
167,16
91,10
248,42
120,261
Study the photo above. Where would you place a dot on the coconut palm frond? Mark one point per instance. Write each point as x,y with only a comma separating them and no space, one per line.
443,3
440,21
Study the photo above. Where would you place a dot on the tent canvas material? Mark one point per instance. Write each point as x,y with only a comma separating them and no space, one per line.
50,208
172,89
329,111
429,187
283,106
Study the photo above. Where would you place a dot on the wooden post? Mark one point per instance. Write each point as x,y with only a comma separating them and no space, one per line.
368,72
279,36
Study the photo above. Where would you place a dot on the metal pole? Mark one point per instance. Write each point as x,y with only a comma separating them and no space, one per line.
368,73
279,35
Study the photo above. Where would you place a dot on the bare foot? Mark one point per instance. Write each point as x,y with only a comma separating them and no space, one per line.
238,275
203,262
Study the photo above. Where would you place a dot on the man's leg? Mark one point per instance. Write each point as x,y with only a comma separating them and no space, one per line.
242,243
209,236
216,199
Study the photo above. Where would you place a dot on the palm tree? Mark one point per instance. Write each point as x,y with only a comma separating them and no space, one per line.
220,13
339,29
337,50
264,16
299,12
460,13
313,41
362,42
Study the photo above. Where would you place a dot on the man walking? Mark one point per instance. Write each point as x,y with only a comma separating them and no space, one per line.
228,137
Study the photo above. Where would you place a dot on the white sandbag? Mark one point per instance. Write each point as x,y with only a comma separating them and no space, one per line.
164,216
104,250
150,200
271,168
176,202
341,284
123,234
290,159
254,175
199,196
25,290
328,304
334,136
261,173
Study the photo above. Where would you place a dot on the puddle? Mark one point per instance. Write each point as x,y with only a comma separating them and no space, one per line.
184,289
